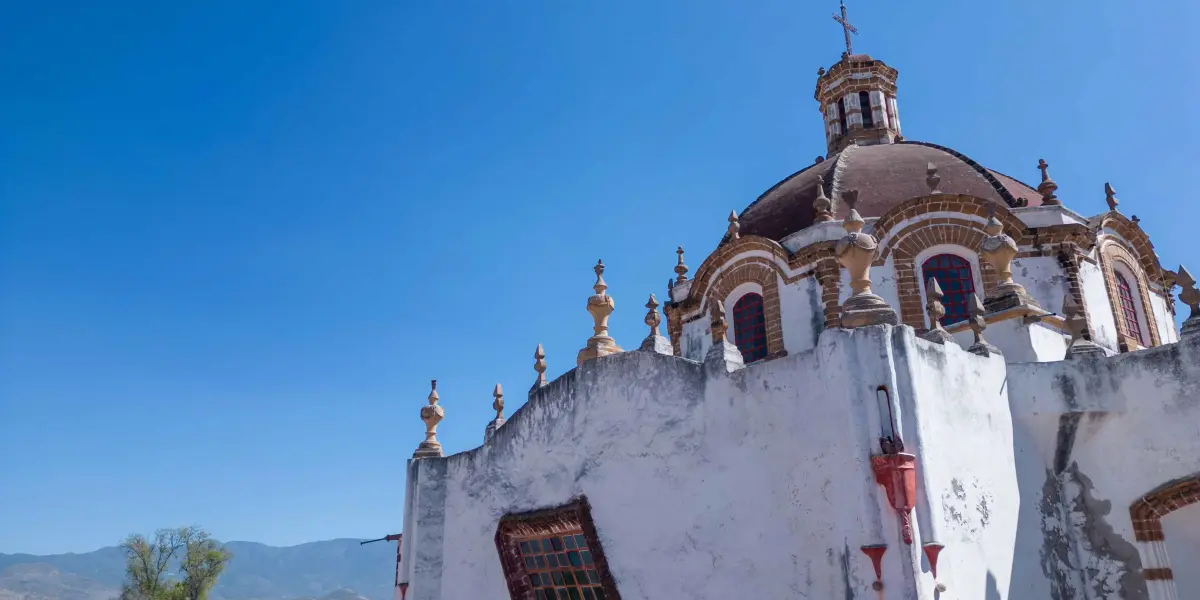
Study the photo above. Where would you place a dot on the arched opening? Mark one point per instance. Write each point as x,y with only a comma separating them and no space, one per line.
1148,513
1129,313
750,327
864,104
953,274
842,115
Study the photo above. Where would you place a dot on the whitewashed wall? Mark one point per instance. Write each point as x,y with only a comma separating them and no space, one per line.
1044,279
1164,319
802,314
1104,433
773,459
1100,315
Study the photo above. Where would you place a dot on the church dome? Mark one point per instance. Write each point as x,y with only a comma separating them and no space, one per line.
885,175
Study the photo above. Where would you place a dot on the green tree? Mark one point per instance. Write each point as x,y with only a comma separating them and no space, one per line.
150,563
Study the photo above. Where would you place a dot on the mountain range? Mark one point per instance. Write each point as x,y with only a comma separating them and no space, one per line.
339,569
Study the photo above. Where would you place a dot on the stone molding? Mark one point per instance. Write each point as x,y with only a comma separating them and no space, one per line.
1110,253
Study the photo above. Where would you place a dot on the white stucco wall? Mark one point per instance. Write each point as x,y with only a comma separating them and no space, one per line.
801,314
696,338
1182,529
773,460
1164,319
1044,279
1103,434
1100,315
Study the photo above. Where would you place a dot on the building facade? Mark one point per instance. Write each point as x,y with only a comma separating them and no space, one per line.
900,375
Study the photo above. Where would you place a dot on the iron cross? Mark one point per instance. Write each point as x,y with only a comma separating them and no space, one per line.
846,27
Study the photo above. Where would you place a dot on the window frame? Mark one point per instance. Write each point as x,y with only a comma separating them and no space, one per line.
842,119
760,336
574,516
971,277
864,107
1133,296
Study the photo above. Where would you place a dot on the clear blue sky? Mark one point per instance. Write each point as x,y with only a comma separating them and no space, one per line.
237,239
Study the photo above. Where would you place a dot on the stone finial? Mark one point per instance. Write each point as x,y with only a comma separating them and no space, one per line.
1135,219
539,365
998,249
717,323
431,415
722,355
601,306
652,320
933,306
1047,187
821,205
1110,196
978,324
1189,295
932,179
1077,324
734,226
855,252
655,342
680,268
850,197
498,406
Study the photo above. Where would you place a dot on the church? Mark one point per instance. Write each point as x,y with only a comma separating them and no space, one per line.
899,375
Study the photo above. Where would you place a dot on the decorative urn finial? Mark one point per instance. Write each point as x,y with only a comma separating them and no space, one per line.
1047,187
932,179
539,365
821,205
431,415
600,305
498,406
655,342
998,249
978,324
680,268
1110,197
722,355
1189,295
734,226
936,310
855,252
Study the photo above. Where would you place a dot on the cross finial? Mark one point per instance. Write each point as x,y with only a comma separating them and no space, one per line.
847,28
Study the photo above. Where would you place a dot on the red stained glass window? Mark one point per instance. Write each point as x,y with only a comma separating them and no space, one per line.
953,273
561,567
1128,309
750,327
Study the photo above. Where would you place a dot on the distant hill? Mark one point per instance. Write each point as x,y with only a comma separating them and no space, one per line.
331,570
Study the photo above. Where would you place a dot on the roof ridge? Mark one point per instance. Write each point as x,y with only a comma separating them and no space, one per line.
1007,196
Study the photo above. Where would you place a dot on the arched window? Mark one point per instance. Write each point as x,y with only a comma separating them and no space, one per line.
842,115
864,103
953,273
1128,308
750,327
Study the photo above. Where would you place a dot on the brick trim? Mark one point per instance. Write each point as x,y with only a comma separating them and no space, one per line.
907,244
1138,241
829,275
1147,512
708,269
575,515
751,270
1068,261
1112,251
1157,574
968,206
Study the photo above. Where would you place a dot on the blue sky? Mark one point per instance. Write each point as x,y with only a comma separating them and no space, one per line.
237,239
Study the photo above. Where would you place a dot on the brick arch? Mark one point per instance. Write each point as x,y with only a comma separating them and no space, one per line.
750,270
704,274
1112,251
1147,512
885,229
1139,242
917,237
